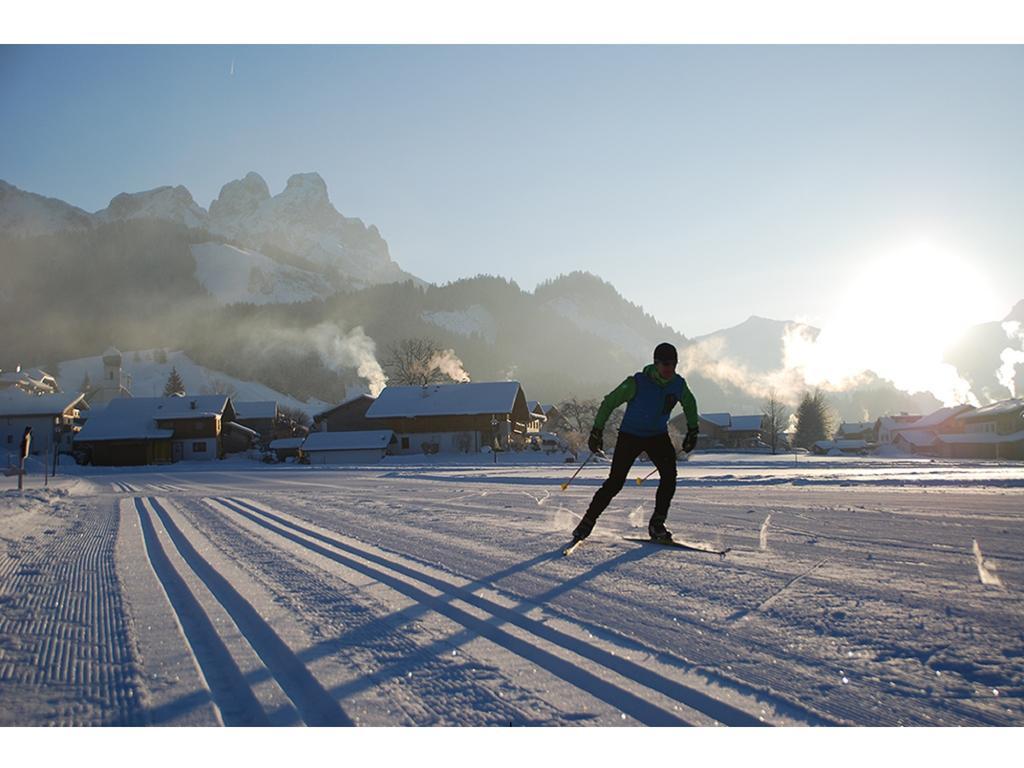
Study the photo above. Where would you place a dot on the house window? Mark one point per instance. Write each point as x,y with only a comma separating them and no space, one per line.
405,443
198,447
10,439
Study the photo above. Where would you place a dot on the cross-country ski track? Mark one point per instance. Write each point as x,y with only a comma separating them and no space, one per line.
372,598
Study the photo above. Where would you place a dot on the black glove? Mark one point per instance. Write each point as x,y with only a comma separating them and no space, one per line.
596,441
690,441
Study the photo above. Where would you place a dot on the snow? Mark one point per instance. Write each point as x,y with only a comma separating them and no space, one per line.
466,322
124,419
610,332
346,441
422,592
235,275
486,397
149,378
14,402
746,423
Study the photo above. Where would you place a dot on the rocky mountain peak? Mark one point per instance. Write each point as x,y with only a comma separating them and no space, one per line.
240,197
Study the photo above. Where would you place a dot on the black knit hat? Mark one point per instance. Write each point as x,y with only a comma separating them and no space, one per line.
665,353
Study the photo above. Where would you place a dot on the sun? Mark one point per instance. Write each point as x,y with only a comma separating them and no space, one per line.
899,312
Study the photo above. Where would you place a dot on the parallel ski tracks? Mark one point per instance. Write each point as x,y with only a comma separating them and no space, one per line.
646,695
231,690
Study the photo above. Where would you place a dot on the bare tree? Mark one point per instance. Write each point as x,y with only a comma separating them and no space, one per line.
776,418
578,415
416,362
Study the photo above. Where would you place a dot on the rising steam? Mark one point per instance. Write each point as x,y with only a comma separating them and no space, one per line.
448,364
1011,357
337,350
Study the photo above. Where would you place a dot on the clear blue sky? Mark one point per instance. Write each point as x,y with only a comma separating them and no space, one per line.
706,183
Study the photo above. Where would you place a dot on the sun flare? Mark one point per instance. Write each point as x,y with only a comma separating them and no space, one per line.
898,315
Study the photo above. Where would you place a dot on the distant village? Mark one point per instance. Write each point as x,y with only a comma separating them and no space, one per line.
107,426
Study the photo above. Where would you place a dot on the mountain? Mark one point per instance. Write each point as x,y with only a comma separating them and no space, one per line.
756,343
26,214
298,227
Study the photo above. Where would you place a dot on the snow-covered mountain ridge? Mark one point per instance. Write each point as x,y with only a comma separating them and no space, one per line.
300,220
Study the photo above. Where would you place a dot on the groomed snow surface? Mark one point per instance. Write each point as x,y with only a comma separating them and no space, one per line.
857,592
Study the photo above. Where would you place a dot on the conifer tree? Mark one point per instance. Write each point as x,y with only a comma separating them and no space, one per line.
174,385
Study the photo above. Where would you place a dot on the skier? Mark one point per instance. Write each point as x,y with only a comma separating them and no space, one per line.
651,395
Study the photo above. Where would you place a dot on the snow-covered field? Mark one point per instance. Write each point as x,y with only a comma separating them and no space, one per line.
857,591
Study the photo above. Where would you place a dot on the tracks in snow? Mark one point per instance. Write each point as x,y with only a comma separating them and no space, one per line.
636,690
199,594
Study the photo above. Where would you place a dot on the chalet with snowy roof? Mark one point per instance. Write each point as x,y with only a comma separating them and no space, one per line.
261,416
537,416
32,381
921,436
856,430
886,427
553,416
452,418
154,430
348,416
361,447
723,430
285,448
994,431
54,418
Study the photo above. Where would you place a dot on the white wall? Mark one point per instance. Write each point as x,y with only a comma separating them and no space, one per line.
189,454
367,456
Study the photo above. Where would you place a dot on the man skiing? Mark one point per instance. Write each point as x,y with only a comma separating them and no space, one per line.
650,396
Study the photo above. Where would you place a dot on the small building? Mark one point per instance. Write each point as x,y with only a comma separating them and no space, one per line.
154,430
348,416
886,427
54,418
723,430
261,416
32,381
366,447
285,448
452,418
537,416
856,430
553,417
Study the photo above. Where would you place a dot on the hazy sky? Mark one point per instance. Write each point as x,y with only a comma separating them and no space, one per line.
706,183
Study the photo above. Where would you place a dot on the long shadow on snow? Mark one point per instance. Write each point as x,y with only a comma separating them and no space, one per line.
613,695
316,705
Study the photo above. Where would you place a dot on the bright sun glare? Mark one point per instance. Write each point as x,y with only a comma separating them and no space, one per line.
900,313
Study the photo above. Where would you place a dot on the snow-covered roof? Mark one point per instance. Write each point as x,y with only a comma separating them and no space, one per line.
536,409
746,423
547,408
851,427
14,402
286,443
255,409
718,419
124,419
342,404
892,422
938,417
995,409
986,438
467,399
919,438
348,441
188,407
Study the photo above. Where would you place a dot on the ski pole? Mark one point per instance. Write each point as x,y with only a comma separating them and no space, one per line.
640,480
566,483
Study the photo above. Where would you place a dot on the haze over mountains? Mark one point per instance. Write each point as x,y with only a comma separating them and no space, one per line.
286,291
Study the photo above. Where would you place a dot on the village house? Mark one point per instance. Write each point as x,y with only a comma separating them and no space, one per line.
367,447
154,430
723,430
452,418
349,416
995,431
55,419
856,430
537,416
922,435
33,381
553,416
261,416
886,427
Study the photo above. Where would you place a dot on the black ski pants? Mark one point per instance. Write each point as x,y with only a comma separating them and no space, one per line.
628,447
